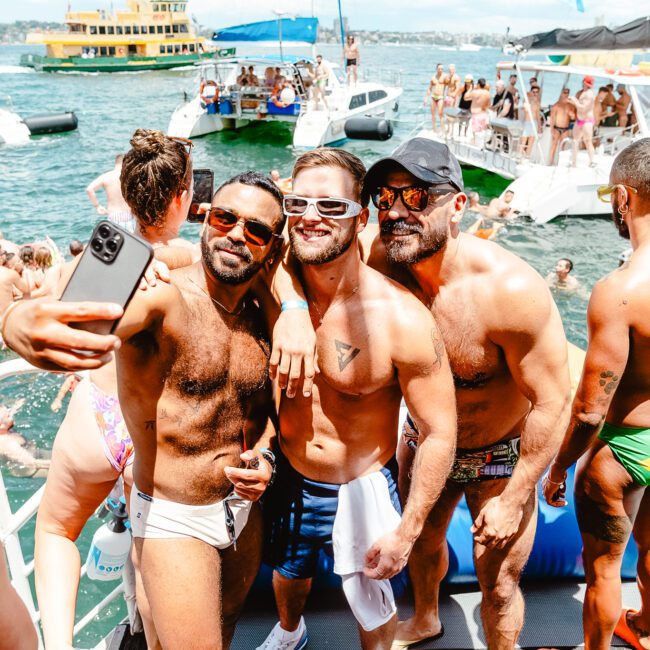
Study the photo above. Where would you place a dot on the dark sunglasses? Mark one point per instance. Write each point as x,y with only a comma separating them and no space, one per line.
414,197
255,233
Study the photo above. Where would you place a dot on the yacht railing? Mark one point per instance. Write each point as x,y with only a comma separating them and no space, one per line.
12,522
383,76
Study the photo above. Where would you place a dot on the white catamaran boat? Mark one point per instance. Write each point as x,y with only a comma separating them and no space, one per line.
543,191
219,102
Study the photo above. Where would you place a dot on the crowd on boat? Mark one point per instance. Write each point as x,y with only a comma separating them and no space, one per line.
459,109
268,367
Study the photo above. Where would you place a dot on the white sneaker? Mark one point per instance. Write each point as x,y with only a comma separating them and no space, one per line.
276,640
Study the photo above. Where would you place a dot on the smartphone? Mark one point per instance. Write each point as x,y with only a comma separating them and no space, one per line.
203,189
110,270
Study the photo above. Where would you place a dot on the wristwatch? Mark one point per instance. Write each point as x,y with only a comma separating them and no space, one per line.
269,456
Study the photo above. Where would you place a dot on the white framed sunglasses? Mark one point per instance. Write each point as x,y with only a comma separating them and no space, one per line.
326,208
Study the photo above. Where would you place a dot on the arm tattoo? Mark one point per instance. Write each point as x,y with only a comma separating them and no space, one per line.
345,353
609,381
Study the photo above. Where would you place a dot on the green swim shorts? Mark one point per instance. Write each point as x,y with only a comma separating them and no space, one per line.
631,446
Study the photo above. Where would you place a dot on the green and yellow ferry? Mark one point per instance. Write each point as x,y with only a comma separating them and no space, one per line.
148,35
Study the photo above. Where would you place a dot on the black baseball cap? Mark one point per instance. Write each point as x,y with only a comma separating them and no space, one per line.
426,159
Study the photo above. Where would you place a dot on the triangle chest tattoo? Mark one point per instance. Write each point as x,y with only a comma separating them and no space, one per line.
345,354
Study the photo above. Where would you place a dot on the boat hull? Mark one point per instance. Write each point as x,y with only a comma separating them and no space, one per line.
110,64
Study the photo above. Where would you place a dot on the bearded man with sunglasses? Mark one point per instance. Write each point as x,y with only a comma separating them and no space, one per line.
610,424
336,487
508,355
194,391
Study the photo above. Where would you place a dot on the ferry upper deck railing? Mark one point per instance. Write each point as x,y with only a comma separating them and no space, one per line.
12,522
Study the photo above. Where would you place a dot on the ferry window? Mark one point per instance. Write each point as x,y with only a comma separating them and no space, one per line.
175,29
155,7
177,49
136,29
102,29
357,100
118,29
127,29
168,29
143,29
93,29
159,29
183,28
170,49
111,51
162,49
110,30
102,51
375,95
163,7
191,47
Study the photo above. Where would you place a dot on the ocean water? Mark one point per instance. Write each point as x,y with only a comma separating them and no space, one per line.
42,193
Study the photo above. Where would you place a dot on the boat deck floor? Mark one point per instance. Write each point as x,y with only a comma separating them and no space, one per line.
553,618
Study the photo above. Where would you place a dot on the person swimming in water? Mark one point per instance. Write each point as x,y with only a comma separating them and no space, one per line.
21,456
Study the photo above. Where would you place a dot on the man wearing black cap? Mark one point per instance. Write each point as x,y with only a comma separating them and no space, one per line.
507,350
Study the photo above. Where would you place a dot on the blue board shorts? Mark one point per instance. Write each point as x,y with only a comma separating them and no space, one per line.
299,516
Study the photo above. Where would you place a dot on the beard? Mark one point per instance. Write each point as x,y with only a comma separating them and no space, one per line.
229,271
621,226
306,254
418,246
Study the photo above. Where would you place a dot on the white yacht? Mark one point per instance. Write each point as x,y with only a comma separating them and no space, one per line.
226,98
542,191
221,103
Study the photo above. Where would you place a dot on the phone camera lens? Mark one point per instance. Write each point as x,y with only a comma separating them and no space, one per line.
97,244
104,232
111,245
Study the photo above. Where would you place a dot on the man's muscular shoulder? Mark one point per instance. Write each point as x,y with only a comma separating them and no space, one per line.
512,292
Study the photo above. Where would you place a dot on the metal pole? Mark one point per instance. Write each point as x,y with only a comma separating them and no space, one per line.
280,37
341,26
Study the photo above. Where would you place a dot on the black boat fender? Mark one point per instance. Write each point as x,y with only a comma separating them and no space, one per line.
51,123
368,128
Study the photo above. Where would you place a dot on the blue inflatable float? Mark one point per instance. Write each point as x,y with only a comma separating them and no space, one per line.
557,552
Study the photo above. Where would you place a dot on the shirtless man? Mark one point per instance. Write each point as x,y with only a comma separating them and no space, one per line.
191,402
343,436
584,126
563,113
321,77
11,283
117,209
436,94
501,207
480,97
599,110
508,354
609,104
454,86
560,278
352,59
622,105
610,425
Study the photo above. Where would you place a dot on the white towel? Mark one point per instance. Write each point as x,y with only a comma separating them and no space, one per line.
365,512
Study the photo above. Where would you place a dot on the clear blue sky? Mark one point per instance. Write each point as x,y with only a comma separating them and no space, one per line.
401,15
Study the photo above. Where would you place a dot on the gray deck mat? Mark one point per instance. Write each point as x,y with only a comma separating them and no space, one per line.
553,619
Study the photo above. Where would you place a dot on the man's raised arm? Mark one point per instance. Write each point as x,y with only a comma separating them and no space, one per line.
428,389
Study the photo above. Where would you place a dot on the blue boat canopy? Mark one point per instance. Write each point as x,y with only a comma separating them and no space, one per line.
301,30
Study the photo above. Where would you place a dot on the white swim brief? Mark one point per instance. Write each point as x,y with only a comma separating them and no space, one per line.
218,524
